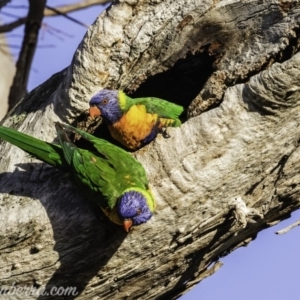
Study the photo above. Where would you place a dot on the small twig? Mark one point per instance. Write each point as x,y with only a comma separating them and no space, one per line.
9,15
10,26
11,46
66,16
45,29
17,6
14,35
74,7
290,227
46,46
58,31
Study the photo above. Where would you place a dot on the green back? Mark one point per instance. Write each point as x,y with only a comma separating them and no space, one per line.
162,108
107,168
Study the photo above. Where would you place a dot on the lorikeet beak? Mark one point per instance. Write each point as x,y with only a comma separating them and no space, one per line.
127,224
94,111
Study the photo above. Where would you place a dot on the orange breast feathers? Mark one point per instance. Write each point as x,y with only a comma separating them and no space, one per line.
133,127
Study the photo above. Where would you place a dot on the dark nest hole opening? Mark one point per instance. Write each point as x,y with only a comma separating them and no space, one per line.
181,83
292,48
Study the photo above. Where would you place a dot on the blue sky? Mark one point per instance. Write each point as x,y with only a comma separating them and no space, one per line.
267,268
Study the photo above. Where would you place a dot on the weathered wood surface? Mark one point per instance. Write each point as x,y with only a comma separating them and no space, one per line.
246,147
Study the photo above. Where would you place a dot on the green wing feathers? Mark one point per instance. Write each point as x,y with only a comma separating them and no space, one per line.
163,108
49,153
116,158
107,168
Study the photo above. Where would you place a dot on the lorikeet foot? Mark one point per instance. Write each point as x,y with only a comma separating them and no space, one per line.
165,133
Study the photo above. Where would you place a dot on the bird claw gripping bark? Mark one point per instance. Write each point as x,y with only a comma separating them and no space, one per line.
165,133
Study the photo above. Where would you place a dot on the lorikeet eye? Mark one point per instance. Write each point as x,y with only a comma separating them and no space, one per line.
138,212
105,101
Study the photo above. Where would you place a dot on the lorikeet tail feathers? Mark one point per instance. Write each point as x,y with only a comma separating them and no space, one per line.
48,153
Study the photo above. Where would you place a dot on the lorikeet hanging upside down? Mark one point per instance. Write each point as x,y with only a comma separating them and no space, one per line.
109,176
134,122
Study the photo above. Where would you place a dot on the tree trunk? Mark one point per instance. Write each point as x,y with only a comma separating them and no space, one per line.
222,177
32,27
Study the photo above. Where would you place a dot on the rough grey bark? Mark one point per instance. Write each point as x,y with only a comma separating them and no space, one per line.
220,178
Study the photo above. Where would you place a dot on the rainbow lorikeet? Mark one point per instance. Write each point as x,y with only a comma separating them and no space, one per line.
109,175
134,122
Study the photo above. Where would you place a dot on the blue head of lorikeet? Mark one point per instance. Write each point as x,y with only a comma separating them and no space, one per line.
134,122
133,209
107,105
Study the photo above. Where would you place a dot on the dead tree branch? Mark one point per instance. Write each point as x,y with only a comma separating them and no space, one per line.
290,227
73,7
29,44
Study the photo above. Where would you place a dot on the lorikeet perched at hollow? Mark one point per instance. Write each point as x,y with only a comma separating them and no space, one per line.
134,122
109,176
